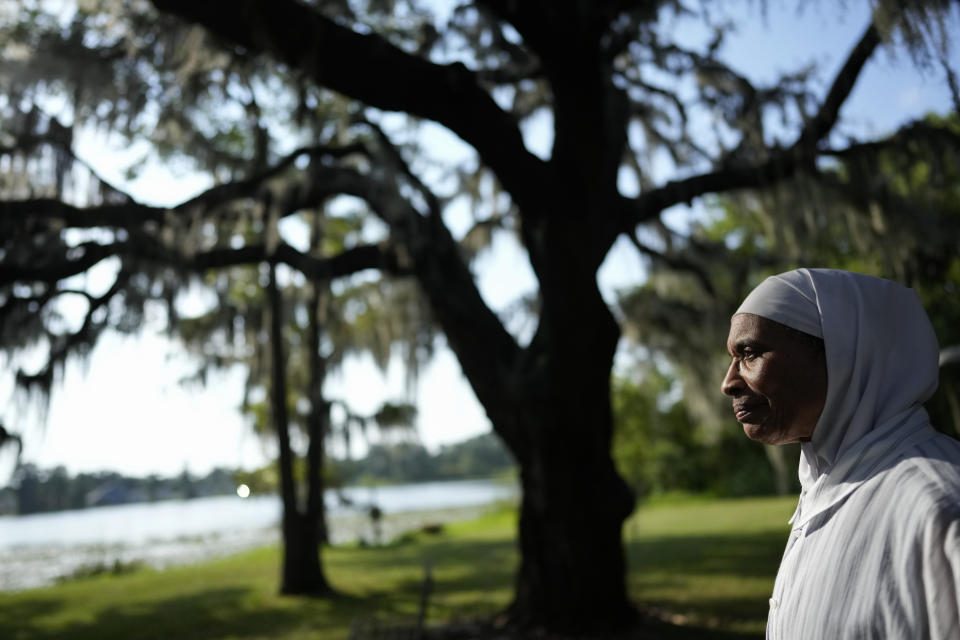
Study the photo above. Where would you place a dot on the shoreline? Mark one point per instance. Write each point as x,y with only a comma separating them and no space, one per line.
30,567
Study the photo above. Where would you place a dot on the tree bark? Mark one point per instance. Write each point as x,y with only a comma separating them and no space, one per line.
302,572
572,575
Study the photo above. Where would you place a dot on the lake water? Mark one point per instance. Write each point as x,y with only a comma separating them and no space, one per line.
38,549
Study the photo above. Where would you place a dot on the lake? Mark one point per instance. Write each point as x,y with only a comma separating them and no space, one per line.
38,549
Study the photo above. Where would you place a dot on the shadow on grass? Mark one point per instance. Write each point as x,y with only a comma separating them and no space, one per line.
200,615
467,577
472,571
203,614
708,582
16,622
714,585
748,555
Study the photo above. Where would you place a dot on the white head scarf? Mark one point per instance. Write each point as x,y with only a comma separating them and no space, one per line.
881,356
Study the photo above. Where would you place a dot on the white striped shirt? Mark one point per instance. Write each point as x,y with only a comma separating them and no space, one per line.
880,558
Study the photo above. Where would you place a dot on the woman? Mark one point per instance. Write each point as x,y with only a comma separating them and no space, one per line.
842,362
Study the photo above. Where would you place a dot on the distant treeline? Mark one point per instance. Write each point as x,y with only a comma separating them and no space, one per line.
34,490
401,462
481,456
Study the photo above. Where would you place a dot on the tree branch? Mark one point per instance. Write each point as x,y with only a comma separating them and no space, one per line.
346,263
486,351
821,125
89,254
395,159
65,344
369,68
677,263
249,186
131,214
782,163
125,216
916,131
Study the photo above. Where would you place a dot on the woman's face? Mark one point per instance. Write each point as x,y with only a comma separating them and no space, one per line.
777,380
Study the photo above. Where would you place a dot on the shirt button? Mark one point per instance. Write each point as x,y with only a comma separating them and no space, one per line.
773,603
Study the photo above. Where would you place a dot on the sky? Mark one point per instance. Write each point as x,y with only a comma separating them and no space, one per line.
125,410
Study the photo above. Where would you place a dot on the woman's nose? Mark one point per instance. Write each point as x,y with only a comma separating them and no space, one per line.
732,382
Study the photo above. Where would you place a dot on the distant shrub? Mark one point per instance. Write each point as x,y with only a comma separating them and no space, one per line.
115,568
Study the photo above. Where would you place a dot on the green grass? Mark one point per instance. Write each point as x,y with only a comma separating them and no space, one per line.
706,568
708,565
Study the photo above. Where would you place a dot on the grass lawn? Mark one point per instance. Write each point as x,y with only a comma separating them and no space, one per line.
708,566
704,568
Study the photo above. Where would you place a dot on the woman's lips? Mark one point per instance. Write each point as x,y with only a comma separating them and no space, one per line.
745,413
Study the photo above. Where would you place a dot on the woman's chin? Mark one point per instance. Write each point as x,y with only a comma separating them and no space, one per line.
760,432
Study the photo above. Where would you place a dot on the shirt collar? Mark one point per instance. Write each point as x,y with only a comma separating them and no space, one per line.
873,453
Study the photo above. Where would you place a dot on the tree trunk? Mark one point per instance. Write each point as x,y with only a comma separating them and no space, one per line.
572,572
550,403
572,575
302,572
